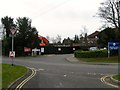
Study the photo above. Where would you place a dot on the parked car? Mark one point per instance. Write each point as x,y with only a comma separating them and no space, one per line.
93,48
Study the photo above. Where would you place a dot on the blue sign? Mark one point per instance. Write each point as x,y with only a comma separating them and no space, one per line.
113,45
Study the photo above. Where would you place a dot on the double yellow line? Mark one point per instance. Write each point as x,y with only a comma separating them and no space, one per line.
103,80
26,80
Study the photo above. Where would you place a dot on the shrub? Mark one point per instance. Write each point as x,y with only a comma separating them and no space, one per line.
90,54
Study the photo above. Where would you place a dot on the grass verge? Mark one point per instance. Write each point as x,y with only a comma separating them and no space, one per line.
117,77
11,73
102,59
0,76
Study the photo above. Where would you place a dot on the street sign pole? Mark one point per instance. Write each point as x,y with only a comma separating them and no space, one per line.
12,47
118,52
108,50
13,32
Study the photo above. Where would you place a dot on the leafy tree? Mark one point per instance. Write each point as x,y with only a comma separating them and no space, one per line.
34,38
26,36
76,39
7,23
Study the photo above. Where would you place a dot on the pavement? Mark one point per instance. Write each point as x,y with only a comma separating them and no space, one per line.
72,59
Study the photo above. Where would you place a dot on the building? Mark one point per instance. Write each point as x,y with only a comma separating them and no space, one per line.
92,39
89,41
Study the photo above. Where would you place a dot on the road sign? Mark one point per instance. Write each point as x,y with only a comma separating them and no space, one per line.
113,45
27,49
42,50
13,30
12,54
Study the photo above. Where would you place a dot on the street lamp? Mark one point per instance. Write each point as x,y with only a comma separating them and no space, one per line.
13,31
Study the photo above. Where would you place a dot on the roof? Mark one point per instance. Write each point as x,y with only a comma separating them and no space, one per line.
45,41
93,34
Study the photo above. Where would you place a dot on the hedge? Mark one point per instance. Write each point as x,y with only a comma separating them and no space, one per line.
90,54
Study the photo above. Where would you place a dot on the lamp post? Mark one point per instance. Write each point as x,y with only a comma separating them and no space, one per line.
13,32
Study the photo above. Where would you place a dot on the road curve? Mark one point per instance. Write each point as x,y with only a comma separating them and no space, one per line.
54,71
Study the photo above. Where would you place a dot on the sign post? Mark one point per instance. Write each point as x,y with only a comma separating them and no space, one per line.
108,50
13,32
35,50
113,46
119,52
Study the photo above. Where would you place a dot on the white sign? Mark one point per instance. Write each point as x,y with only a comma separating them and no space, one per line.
42,50
12,54
35,50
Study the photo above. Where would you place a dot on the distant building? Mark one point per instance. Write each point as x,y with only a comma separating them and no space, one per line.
92,38
67,41
89,41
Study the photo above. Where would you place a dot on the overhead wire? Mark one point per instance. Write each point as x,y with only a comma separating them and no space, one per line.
50,9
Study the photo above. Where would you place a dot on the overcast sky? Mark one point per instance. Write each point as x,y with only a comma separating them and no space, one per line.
52,17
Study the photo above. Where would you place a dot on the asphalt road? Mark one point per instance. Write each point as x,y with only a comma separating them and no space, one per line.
54,71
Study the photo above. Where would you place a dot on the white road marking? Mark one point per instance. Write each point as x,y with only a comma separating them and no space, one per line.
94,74
41,69
65,75
61,84
72,72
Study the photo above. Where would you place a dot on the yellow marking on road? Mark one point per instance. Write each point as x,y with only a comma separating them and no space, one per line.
103,80
26,80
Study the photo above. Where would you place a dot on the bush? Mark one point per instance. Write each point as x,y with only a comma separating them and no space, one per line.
114,53
90,54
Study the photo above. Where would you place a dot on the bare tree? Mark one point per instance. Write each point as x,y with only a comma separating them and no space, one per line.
84,31
110,12
53,40
58,39
83,36
48,38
